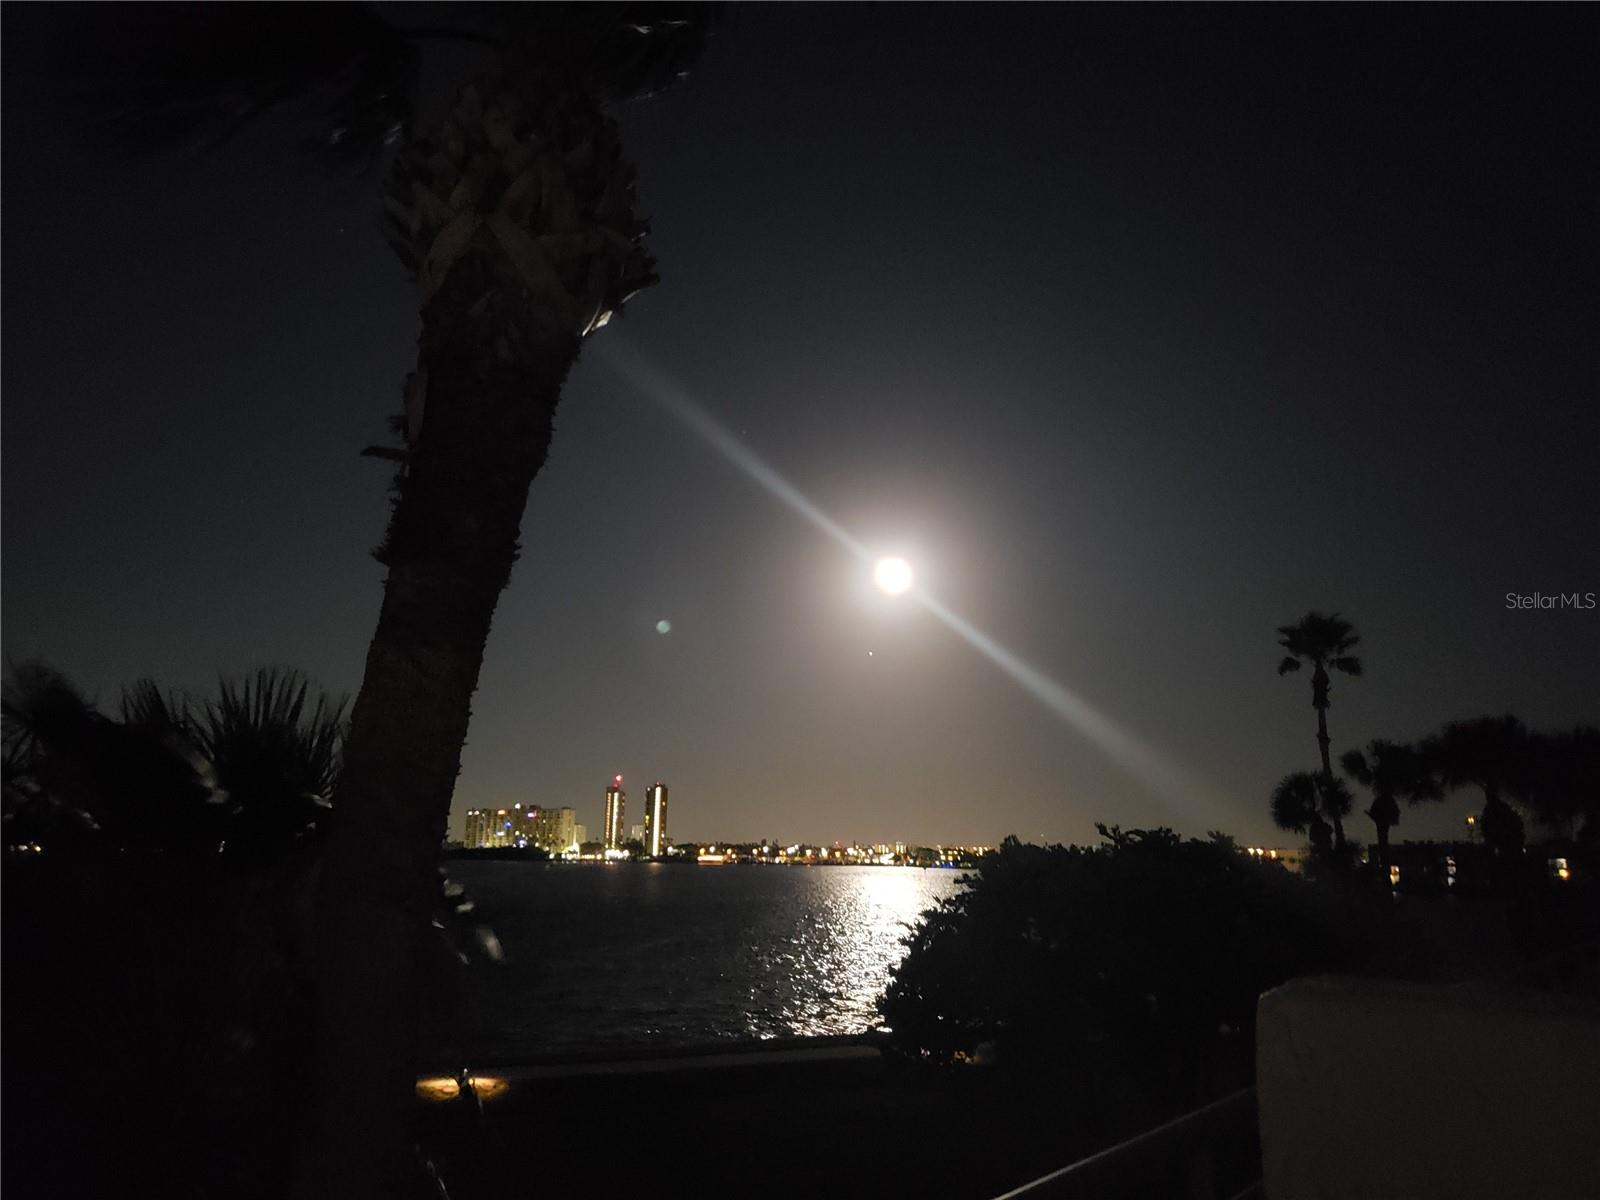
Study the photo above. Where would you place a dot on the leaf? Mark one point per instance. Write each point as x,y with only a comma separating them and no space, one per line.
535,269
446,251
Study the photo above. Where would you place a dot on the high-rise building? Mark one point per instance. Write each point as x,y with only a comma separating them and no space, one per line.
655,820
555,830
616,808
489,828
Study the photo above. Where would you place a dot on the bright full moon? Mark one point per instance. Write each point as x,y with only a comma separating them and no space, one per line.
892,575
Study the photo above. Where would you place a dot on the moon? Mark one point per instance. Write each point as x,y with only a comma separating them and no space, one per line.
892,575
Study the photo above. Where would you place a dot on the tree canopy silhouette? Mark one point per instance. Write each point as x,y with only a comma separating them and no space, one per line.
1391,771
1564,782
1495,754
1136,960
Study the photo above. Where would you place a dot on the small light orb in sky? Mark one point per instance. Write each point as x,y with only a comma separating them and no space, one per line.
663,626
892,575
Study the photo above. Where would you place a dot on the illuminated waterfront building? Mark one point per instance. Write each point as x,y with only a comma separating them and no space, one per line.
491,828
655,820
616,809
555,830
499,827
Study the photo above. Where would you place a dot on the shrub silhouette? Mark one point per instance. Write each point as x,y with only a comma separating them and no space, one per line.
1137,961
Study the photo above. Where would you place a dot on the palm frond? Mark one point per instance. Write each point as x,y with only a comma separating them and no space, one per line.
1565,783
619,51
1492,753
267,739
197,75
1420,787
145,705
1354,764
38,705
1294,801
1318,637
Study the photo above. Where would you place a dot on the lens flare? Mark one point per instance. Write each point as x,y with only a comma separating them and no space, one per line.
1157,775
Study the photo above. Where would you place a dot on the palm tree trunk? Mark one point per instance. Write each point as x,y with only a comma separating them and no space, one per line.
1319,701
451,544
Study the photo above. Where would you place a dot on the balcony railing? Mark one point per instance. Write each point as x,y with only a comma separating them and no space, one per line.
1212,1153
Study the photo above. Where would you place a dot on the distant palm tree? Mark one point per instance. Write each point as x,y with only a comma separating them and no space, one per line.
1324,641
1496,755
1306,803
1392,771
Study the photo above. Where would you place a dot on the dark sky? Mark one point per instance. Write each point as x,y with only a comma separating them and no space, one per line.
1140,330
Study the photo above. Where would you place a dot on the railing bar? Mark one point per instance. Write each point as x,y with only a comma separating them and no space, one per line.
1086,1166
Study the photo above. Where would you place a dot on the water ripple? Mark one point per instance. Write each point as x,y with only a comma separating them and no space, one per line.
617,955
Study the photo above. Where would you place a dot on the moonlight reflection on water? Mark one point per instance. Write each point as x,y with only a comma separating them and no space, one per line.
671,955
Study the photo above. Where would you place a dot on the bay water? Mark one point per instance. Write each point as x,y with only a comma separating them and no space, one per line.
654,954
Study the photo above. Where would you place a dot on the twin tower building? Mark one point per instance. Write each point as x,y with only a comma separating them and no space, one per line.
556,829
655,818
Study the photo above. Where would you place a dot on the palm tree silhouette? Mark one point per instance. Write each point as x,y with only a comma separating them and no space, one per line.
245,774
1303,802
275,750
75,775
1392,771
516,219
1324,642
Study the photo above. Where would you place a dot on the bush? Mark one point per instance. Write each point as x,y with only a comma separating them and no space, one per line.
1137,962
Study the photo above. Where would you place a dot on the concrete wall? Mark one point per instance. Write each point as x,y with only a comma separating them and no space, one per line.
1395,1091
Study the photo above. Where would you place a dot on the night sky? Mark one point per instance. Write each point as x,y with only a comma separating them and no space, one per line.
1139,331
